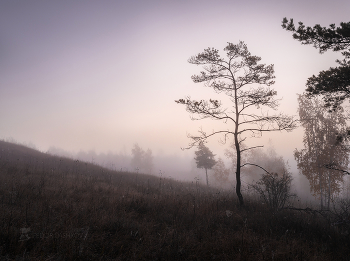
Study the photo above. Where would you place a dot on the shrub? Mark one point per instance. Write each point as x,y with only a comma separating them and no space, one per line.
274,190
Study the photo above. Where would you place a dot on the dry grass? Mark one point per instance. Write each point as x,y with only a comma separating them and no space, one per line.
79,211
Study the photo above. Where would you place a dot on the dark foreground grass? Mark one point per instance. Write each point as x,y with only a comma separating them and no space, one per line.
58,209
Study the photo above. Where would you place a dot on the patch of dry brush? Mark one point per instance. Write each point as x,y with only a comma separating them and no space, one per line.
79,211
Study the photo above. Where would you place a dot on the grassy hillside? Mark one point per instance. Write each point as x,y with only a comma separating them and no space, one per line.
56,208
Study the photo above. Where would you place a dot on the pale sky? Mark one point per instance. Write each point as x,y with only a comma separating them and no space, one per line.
103,75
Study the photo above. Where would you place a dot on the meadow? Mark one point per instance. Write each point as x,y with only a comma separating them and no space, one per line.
55,208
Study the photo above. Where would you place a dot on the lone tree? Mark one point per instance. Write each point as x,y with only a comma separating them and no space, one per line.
204,159
246,82
334,83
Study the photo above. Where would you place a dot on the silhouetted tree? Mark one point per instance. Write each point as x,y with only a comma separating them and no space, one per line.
322,158
235,76
204,159
334,83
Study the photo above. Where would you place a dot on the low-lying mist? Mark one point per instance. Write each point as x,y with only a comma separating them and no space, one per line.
184,167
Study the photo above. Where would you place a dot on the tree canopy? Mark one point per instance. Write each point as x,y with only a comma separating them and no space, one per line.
334,83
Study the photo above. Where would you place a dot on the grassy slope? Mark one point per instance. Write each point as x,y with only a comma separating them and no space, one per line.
80,211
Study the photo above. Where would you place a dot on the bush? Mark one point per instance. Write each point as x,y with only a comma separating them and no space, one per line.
274,190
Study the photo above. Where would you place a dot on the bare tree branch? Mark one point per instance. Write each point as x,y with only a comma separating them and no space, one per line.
332,167
255,165
250,149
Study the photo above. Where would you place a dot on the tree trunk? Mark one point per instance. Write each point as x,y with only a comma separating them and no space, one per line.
329,189
238,173
206,174
321,190
238,151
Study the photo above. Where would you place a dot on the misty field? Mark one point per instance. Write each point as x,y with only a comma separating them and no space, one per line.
55,208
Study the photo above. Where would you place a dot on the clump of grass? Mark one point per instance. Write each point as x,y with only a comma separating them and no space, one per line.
80,211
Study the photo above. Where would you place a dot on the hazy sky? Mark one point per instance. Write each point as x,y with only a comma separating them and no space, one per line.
103,75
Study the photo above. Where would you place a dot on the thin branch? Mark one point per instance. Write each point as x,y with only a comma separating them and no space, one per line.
329,166
204,136
252,148
256,166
